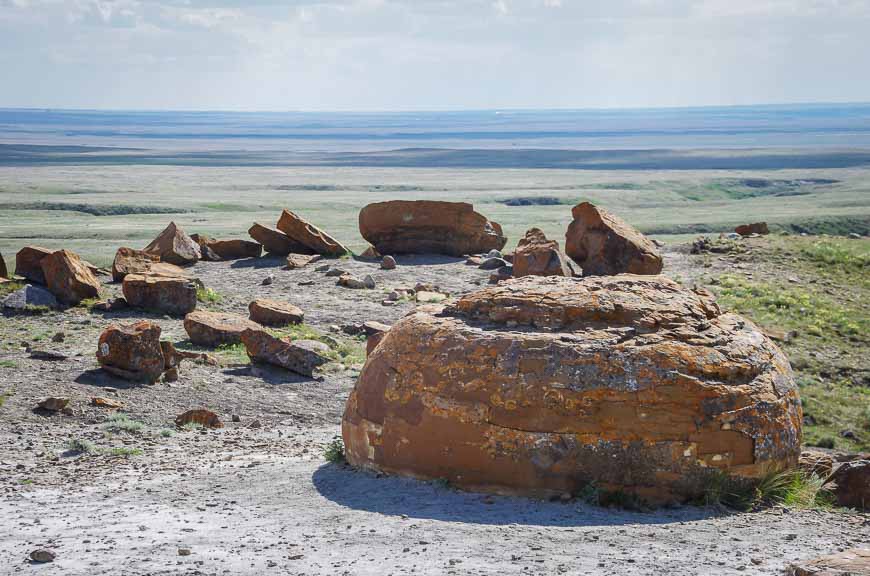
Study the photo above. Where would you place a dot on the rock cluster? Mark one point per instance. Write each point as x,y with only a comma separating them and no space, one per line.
602,244
541,386
428,227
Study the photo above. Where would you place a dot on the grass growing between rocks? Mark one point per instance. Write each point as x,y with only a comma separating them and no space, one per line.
233,354
119,422
208,296
790,488
347,352
334,451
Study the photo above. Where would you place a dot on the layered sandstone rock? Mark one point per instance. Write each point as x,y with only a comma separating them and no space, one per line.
309,235
174,246
428,227
216,328
274,313
132,351
300,356
68,277
175,296
132,261
28,263
276,242
602,244
228,249
540,386
537,256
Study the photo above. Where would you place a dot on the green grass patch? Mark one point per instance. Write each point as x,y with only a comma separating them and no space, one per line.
832,407
7,288
8,364
791,488
167,433
120,422
208,296
233,353
334,451
348,352
3,398
80,446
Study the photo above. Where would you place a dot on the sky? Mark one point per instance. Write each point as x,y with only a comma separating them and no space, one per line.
430,54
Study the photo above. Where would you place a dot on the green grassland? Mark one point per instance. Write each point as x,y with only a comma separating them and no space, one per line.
111,206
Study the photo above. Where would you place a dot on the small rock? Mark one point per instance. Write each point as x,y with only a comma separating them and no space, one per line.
184,551
492,264
53,404
493,254
267,281
236,418
388,263
322,268
58,337
369,282
205,418
255,424
42,556
331,272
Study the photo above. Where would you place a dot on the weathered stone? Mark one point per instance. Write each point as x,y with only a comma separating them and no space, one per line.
110,305
28,263
330,272
4,273
754,228
30,297
132,261
851,484
492,263
274,313
175,296
309,235
174,246
295,261
542,385
370,253
227,249
388,263
537,256
53,404
68,278
132,351
602,244
854,562
429,297
502,274
205,418
428,227
816,462
216,328
300,356
375,332
42,556
276,242
110,403
351,281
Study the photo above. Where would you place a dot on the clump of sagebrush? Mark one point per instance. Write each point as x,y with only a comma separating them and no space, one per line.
119,422
208,295
79,446
123,451
792,488
334,451
167,433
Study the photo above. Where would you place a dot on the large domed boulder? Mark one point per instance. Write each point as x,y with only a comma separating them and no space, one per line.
174,246
309,235
537,256
428,227
603,244
68,277
543,385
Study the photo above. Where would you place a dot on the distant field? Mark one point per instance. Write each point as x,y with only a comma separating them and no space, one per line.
95,209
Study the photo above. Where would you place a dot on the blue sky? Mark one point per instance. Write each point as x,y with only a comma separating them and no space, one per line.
430,54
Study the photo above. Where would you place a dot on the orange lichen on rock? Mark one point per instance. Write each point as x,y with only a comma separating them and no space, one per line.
540,386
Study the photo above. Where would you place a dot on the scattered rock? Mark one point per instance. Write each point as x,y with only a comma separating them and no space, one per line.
492,263
816,462
323,268
58,337
276,242
67,277
854,562
502,274
300,356
295,261
850,484
750,229
4,273
609,379
274,313
132,351
428,227
350,281
369,282
42,556
236,418
174,246
333,272
309,235
602,244
537,256
28,263
205,418
214,329
473,261
426,297
30,297
388,263
53,404
111,305
494,254
229,249
101,402
267,281
370,253
184,551
48,355
176,296
375,332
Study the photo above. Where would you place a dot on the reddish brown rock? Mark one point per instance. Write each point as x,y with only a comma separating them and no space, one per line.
175,296
370,253
28,263
132,351
309,235
174,246
602,244
4,273
854,562
276,242
68,278
205,418
850,484
537,256
428,227
109,403
754,228
816,463
274,313
540,386
216,328
228,249
300,356
53,404
295,261
375,332
132,261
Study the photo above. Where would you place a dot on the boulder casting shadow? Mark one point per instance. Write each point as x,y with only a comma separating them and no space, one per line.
398,496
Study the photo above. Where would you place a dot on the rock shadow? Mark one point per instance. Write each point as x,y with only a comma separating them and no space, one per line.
268,261
425,259
269,374
398,496
102,379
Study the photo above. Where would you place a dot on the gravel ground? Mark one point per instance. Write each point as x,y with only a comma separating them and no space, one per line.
257,497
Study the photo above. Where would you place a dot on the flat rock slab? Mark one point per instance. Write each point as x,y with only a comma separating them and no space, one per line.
854,562
299,356
176,296
274,313
309,235
276,242
214,329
